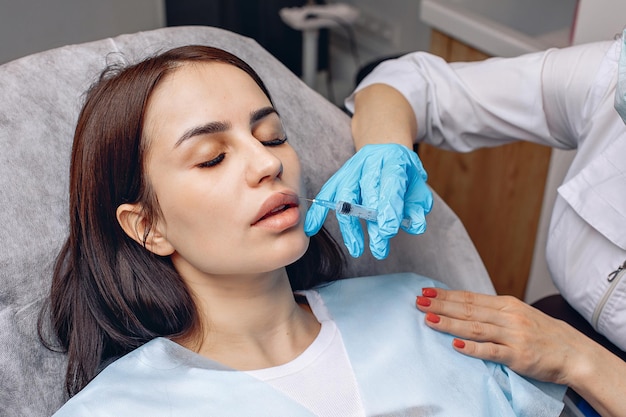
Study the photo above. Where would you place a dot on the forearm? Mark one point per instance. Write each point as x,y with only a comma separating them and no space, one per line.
382,115
600,378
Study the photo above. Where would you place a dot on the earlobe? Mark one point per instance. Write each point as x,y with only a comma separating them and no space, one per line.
133,221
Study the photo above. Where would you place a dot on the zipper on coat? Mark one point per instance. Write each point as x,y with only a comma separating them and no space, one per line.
614,278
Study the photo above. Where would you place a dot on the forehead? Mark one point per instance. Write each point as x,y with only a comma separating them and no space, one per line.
196,93
214,89
207,78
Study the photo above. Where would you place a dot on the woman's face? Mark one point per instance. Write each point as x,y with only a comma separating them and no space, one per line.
225,179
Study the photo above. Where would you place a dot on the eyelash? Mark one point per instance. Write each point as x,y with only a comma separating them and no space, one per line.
215,161
274,142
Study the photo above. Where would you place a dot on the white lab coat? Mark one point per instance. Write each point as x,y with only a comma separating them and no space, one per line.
562,98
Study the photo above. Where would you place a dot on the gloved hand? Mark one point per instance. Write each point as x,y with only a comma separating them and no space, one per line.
387,177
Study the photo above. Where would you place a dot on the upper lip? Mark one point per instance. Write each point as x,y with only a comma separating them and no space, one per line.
276,201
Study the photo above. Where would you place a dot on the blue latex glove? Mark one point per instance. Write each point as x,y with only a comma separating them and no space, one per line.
387,177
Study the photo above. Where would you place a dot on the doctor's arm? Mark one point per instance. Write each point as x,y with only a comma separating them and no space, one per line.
382,115
504,329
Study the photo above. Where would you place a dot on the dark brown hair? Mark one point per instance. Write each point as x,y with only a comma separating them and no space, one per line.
109,294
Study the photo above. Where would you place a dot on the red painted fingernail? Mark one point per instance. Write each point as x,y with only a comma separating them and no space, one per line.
432,317
423,301
429,292
459,344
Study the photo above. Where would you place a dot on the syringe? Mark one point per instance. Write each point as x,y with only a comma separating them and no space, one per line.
352,209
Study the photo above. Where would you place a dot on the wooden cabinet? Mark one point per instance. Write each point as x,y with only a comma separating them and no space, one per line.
497,192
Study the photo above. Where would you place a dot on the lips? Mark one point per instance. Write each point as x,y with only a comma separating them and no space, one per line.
275,211
275,205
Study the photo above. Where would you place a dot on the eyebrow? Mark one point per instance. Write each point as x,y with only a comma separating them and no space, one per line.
261,113
218,127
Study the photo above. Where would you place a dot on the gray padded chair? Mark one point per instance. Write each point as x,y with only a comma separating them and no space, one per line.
41,95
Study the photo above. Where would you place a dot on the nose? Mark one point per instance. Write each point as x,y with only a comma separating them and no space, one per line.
262,164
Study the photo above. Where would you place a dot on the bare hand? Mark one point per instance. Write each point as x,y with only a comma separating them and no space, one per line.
506,330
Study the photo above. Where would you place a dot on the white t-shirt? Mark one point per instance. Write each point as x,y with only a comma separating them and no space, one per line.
307,379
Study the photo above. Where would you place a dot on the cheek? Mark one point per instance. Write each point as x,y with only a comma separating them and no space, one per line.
292,171
204,236
192,213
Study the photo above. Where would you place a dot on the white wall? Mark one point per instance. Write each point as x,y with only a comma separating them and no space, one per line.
400,17
599,20
29,26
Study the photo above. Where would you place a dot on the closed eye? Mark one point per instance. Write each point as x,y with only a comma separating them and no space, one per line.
274,142
212,162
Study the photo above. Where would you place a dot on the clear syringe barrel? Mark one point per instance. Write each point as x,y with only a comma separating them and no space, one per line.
356,210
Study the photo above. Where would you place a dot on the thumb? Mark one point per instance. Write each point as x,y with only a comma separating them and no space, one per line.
315,217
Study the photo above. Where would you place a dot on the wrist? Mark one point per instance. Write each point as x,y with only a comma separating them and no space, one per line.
588,366
599,379
397,139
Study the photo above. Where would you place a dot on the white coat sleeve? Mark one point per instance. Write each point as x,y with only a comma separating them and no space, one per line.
540,97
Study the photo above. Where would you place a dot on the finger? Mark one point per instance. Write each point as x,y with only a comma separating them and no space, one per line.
350,226
329,189
380,231
314,220
316,215
472,330
391,204
345,180
419,167
469,313
352,234
470,297
485,350
418,203
417,219
369,183
350,193
419,193
379,246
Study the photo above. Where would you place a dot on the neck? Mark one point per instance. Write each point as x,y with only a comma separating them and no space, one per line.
251,322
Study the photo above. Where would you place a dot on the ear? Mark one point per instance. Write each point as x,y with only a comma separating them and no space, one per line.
133,221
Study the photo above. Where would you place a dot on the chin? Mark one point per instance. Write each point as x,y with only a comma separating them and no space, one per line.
293,248
298,249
